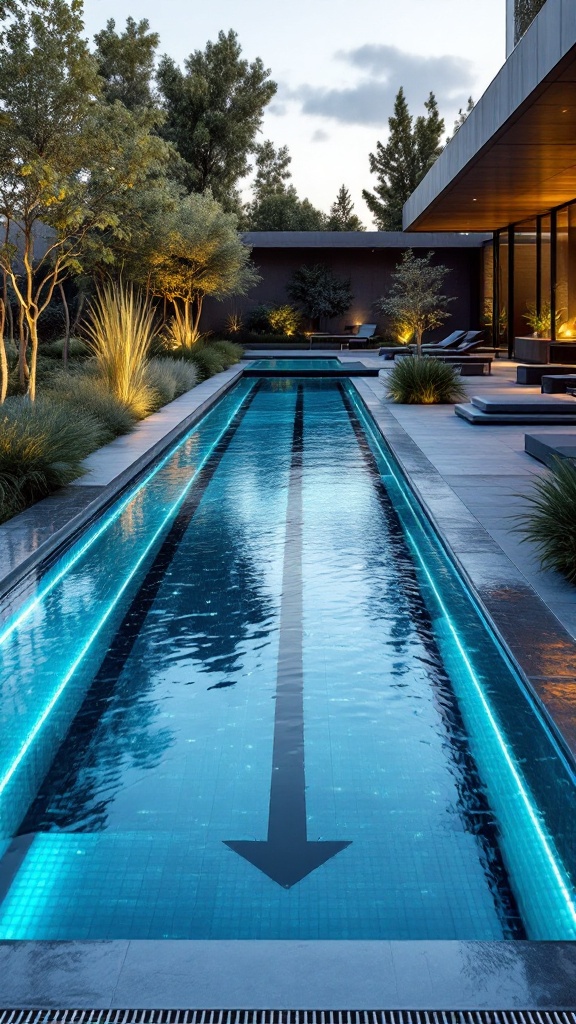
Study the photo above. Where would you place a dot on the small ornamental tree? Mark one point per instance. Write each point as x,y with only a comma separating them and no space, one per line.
196,251
319,293
415,302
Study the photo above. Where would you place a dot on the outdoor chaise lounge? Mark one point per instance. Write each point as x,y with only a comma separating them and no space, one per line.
471,340
453,339
364,331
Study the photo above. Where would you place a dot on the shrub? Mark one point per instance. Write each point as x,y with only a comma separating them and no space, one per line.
422,380
550,522
284,320
120,330
185,374
85,391
230,351
162,381
77,348
41,448
258,319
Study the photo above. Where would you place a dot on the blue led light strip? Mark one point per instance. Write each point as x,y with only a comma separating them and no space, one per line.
551,856
8,774
42,592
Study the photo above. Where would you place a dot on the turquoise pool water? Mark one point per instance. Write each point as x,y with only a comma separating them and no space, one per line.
297,364
255,701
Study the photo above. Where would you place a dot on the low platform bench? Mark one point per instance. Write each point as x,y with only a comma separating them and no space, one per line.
549,447
532,374
558,383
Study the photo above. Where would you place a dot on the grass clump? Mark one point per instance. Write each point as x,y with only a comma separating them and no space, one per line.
550,522
83,390
422,380
169,378
42,446
120,331
210,357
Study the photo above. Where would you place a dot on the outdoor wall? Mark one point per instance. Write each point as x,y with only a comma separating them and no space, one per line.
369,271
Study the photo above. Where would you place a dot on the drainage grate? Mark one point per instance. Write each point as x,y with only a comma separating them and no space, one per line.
48,1016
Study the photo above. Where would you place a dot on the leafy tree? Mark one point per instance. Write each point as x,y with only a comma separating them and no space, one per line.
462,116
342,216
524,13
272,170
410,151
415,302
197,251
319,293
284,211
214,111
126,62
66,158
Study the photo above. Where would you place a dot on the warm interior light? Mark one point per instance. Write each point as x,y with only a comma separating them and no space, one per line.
567,329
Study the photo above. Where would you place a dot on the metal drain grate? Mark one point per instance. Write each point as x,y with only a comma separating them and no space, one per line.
287,1017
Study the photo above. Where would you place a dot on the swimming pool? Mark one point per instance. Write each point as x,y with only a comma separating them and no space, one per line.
297,364
255,701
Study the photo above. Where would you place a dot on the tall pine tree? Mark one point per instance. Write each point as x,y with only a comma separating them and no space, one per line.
342,216
410,151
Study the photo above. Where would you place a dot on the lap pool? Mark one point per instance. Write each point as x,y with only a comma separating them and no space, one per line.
255,701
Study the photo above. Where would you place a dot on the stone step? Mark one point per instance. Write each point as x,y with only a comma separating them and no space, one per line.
520,405
473,414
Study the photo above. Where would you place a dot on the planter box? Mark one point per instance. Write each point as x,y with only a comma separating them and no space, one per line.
533,350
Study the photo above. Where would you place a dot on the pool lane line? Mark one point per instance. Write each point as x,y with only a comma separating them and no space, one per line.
121,646
474,808
286,855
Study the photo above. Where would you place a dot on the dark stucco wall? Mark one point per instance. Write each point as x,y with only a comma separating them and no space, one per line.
369,272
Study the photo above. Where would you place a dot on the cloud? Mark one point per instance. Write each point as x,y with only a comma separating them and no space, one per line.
320,136
386,68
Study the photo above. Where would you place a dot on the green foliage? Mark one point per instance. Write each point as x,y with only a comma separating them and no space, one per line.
120,331
214,110
524,13
541,322
126,62
399,166
210,357
424,381
265,319
319,293
415,302
342,216
550,522
68,161
41,448
272,170
462,117
77,348
170,378
284,211
197,251
83,391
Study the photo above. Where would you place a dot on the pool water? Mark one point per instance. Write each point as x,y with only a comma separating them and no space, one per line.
255,702
297,364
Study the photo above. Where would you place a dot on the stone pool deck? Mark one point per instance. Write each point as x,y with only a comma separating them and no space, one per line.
467,478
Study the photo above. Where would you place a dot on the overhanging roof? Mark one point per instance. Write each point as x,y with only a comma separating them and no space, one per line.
515,155
359,240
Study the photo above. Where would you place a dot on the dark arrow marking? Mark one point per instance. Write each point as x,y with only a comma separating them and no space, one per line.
287,856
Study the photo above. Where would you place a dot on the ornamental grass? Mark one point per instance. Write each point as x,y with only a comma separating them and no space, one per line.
120,331
423,380
550,521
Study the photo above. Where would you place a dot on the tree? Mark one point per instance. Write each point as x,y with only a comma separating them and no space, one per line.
213,113
284,211
197,251
415,302
342,216
66,159
319,293
462,116
126,62
410,151
524,13
272,170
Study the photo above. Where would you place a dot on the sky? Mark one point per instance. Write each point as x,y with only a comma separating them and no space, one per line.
338,67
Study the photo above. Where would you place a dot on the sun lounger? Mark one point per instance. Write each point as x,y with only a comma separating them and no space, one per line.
364,331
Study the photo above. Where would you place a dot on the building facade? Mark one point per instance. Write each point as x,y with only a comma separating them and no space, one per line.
511,170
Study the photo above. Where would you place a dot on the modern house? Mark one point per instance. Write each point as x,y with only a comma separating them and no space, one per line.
511,170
